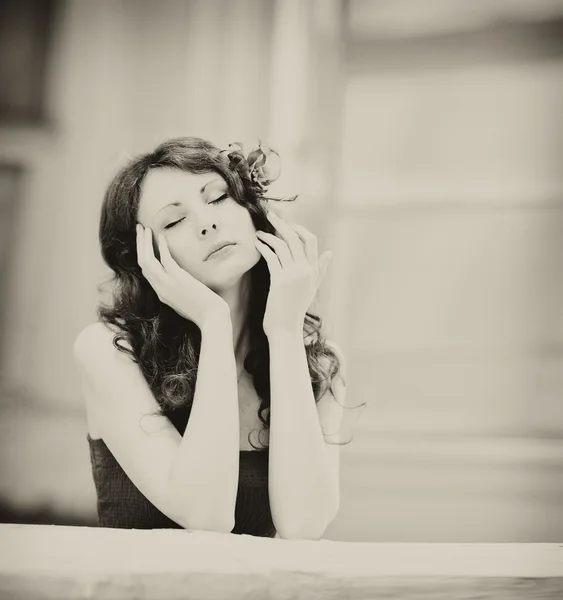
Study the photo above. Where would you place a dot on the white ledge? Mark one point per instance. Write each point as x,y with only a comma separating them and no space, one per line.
42,561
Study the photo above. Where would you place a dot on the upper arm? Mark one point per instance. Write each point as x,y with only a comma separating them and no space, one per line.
120,400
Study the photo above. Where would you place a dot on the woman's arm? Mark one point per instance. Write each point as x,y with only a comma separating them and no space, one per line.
204,474
303,475
303,469
192,479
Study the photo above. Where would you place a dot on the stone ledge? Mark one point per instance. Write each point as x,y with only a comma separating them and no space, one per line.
85,562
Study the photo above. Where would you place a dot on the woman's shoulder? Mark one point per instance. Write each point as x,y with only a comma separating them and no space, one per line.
95,338
101,366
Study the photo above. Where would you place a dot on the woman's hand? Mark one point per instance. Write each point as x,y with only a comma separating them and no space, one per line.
173,285
296,272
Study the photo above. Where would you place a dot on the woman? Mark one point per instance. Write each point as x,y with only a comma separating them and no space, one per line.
210,391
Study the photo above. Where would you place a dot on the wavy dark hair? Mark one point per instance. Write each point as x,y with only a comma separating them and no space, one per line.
165,345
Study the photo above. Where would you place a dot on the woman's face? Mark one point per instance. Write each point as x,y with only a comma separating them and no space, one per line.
194,213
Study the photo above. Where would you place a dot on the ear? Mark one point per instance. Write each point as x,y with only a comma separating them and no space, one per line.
323,263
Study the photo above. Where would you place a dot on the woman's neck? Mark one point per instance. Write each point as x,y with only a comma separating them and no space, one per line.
237,300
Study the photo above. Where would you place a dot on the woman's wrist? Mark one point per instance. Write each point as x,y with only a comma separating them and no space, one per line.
284,334
216,320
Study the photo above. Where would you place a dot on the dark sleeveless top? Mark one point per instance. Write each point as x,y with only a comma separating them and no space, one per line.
120,503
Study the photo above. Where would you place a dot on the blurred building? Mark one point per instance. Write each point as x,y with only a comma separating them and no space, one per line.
425,141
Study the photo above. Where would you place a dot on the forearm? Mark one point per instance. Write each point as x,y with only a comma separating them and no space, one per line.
300,480
204,475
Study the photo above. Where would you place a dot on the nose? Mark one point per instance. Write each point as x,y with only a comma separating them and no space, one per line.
204,231
205,221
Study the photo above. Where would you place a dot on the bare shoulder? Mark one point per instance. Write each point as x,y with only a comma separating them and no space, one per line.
96,341
110,378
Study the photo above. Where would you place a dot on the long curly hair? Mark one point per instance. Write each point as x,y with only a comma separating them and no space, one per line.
165,345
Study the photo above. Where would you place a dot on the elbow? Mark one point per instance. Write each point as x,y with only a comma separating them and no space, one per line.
208,522
202,518
309,531
197,512
216,525
308,527
333,508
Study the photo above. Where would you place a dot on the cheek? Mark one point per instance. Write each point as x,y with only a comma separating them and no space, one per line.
245,224
184,254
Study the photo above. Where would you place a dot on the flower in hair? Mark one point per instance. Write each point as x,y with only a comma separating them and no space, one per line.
260,168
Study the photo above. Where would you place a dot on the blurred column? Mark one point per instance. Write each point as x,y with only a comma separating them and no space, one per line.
305,97
227,70
290,86
126,75
305,116
63,198
448,287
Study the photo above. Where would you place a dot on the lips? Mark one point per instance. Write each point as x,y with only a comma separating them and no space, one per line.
219,248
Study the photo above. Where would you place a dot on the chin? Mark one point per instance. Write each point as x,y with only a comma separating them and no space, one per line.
226,282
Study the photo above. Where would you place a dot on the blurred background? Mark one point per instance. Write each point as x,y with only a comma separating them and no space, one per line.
425,139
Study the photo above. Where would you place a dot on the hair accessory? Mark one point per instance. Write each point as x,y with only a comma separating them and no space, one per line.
260,168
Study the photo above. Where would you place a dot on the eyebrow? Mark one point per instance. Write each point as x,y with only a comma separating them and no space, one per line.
179,203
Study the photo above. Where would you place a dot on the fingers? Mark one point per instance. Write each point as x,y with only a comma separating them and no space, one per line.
282,251
307,240
150,266
290,237
310,244
139,238
169,264
270,257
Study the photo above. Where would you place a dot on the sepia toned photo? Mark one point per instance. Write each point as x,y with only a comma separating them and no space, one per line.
281,299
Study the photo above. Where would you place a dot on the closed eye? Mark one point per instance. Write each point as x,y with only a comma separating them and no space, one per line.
170,225
220,199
